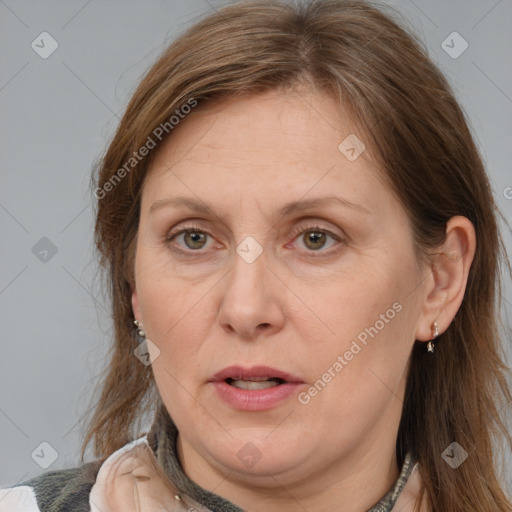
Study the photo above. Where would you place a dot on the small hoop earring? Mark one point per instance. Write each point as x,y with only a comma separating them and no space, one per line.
435,334
139,325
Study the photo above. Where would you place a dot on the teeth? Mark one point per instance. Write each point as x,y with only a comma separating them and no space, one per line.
257,379
254,384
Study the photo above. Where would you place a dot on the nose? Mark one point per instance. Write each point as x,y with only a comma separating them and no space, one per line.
251,303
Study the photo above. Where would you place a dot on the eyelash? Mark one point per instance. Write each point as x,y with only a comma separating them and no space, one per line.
296,232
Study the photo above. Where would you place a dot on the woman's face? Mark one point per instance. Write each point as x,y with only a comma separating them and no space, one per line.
286,311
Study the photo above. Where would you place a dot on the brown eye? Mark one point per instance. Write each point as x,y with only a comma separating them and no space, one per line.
194,239
188,239
314,239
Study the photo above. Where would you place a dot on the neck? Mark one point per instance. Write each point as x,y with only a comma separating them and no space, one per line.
341,487
351,484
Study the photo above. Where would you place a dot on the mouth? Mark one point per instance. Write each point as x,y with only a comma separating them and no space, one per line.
255,377
256,388
255,383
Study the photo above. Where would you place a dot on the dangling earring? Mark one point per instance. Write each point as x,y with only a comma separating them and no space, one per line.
435,334
139,325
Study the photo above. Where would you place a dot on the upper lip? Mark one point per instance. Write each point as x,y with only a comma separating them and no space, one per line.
242,373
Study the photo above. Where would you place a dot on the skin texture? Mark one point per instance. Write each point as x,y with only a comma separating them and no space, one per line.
297,307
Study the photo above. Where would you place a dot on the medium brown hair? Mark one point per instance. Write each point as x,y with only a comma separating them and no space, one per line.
417,132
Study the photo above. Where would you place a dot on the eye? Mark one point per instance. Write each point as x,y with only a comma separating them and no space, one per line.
315,238
194,238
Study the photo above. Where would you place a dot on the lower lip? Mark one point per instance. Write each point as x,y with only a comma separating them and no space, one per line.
256,399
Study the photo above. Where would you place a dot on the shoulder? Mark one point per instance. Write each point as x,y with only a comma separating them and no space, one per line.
57,491
54,491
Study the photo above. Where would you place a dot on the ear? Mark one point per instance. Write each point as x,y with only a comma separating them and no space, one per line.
450,264
135,305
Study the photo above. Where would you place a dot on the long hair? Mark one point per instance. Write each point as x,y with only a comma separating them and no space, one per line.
363,58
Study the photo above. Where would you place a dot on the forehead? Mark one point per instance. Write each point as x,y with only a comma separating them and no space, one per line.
267,147
263,127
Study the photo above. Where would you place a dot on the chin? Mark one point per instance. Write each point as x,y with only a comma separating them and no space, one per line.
253,451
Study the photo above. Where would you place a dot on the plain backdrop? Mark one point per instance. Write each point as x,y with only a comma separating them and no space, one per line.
58,112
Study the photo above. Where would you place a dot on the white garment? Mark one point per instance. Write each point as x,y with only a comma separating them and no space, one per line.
18,499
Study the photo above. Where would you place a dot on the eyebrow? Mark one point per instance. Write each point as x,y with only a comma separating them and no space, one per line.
288,209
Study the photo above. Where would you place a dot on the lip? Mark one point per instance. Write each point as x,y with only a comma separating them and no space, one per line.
241,373
254,400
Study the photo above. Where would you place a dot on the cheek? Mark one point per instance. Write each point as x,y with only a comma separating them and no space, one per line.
369,321
355,301
177,315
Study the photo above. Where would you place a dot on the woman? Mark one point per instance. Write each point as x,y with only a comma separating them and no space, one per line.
302,252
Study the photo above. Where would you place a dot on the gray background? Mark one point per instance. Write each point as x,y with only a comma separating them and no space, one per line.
57,115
